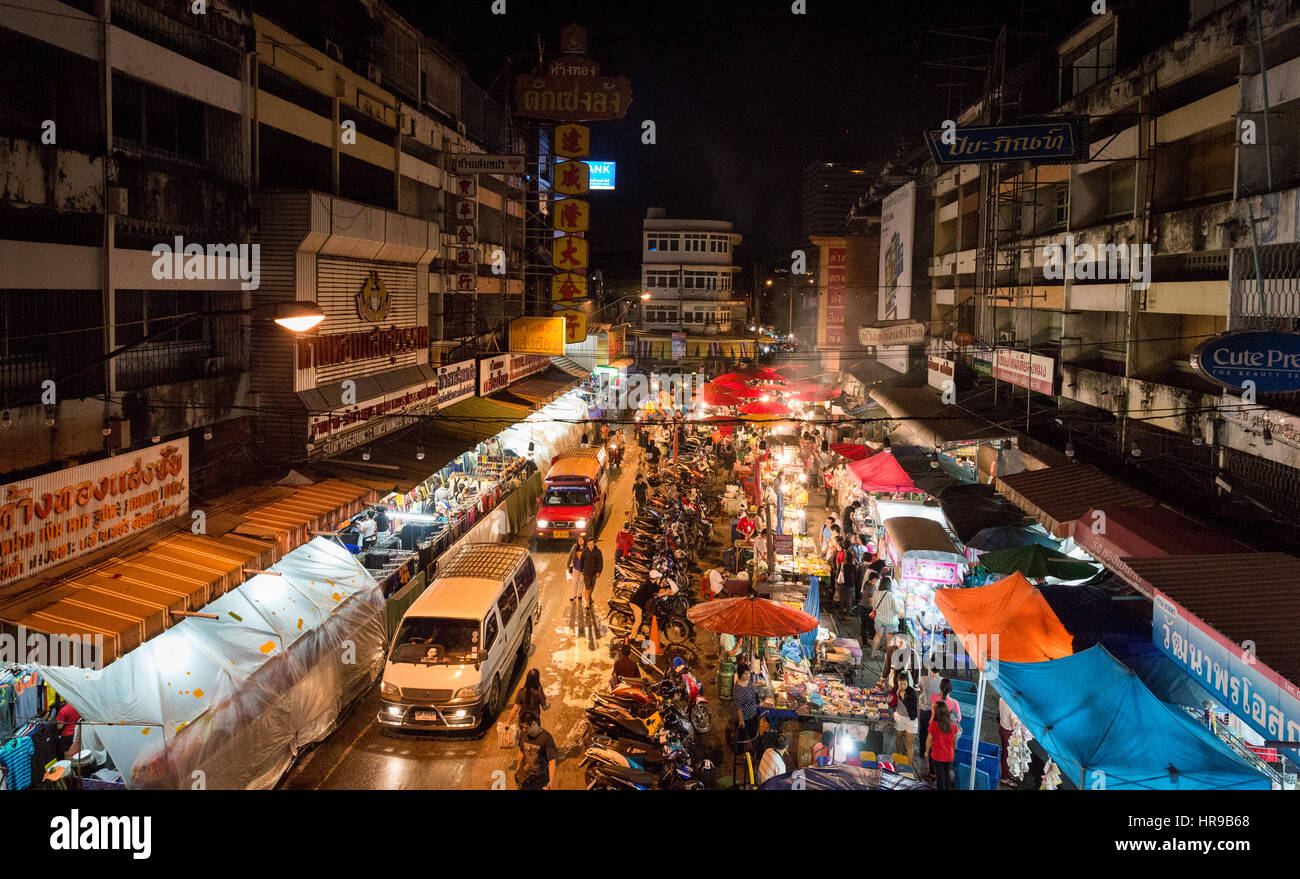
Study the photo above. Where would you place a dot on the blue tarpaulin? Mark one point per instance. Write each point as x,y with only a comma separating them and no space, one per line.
812,607
1093,617
1106,730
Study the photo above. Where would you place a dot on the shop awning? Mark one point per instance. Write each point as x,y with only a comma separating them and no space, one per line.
293,514
1145,532
923,539
881,473
572,367
329,397
1060,496
930,423
393,465
1251,597
544,387
969,514
1026,627
478,418
1102,725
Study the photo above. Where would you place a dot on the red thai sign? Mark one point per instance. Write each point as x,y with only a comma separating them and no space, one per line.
346,347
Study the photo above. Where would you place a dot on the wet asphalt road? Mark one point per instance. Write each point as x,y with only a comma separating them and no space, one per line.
574,661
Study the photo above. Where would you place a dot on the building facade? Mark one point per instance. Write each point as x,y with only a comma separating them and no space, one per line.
688,268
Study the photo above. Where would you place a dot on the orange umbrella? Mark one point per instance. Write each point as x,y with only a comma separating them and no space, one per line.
757,617
1013,621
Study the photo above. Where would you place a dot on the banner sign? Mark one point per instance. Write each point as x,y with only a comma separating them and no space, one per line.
567,285
1064,140
571,215
537,335
361,345
678,345
1248,688
1025,370
524,365
575,325
566,98
940,370
602,174
493,374
569,252
572,178
572,141
48,520
474,163
982,363
456,382
333,433
464,187
897,218
836,281
1270,360
899,334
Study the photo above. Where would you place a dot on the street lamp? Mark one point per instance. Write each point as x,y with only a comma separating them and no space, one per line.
298,317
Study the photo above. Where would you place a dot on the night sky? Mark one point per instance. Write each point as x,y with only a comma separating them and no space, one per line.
744,94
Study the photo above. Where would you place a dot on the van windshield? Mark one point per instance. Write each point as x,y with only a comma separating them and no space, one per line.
435,641
567,496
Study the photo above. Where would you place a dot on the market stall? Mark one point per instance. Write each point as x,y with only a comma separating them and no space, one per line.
924,557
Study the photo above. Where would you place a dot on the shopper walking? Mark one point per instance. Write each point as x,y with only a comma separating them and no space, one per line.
905,715
940,746
531,697
885,607
574,568
744,699
593,562
639,491
537,754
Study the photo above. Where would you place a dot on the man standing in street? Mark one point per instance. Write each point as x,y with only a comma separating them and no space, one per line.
639,489
537,754
592,564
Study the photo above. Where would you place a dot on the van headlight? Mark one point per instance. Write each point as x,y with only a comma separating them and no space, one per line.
387,689
580,524
468,692
542,523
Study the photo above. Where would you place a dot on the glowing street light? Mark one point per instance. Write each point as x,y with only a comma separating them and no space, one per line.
299,317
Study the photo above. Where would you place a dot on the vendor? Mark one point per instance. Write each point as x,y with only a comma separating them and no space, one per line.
746,526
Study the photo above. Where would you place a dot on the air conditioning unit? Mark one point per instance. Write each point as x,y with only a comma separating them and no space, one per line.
1006,337
333,50
213,365
116,201
373,73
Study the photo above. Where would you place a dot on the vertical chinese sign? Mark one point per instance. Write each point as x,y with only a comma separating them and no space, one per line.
464,223
570,91
831,325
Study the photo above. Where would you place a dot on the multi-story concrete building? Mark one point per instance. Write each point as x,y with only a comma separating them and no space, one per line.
319,138
1194,172
688,268
829,189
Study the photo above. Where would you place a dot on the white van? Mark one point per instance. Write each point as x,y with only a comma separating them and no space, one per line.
452,656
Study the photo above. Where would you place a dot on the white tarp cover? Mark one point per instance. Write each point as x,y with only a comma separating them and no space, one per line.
228,703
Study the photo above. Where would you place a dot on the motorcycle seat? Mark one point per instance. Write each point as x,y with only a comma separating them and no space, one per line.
635,776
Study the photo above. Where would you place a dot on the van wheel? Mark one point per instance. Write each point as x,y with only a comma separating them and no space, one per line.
494,697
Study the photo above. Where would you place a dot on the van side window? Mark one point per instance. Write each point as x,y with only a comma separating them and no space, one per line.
507,603
524,579
490,629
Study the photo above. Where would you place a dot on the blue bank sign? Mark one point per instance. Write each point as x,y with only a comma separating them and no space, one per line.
1270,360
1063,140
602,174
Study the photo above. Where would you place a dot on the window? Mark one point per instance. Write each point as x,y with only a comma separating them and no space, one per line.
437,641
1088,64
507,603
1062,205
1210,165
490,629
525,578
1119,200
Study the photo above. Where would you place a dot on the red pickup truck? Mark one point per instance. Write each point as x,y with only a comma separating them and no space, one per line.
574,494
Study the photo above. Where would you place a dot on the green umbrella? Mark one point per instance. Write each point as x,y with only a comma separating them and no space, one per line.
1036,561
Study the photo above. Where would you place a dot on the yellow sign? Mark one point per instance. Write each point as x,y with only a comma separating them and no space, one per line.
572,141
537,335
575,325
568,253
572,178
571,215
567,285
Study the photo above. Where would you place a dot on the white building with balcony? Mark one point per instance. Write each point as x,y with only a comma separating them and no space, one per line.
688,268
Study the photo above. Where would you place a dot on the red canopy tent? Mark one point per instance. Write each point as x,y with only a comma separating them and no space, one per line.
728,428
882,473
769,408
852,451
752,393
717,397
729,382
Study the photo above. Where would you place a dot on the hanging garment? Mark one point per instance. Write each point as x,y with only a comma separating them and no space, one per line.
17,758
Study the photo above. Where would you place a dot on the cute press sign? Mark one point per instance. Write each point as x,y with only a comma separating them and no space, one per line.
47,520
1270,360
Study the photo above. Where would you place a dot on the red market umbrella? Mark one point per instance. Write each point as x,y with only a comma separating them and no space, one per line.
769,408
727,429
717,397
753,616
852,451
729,382
751,393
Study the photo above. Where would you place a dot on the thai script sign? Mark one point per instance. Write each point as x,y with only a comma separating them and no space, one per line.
939,370
537,335
524,365
1025,370
486,164
363,345
1270,360
1247,687
456,382
832,315
1063,140
572,98
493,374
899,334
47,520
